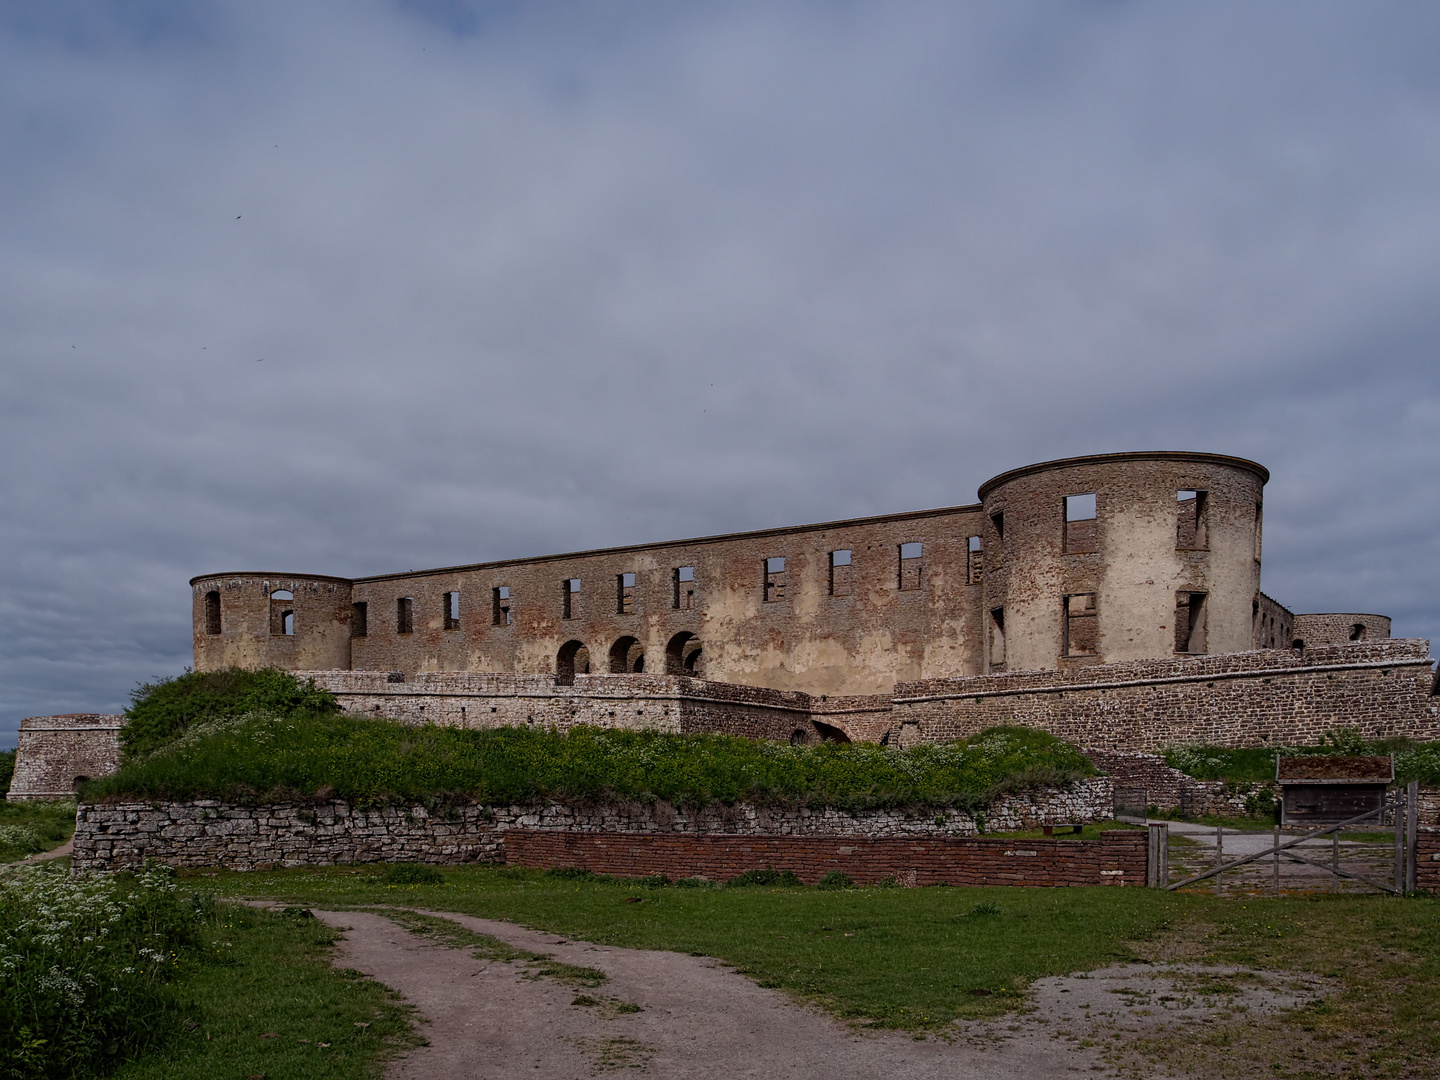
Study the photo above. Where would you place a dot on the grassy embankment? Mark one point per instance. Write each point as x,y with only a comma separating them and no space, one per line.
261,758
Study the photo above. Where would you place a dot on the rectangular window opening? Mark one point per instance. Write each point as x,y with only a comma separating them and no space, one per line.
452,611
1081,526
287,623
359,619
975,561
1190,622
212,612
404,615
624,594
684,581
500,605
841,572
774,579
910,565
1192,532
1081,626
997,638
1259,522
997,521
569,598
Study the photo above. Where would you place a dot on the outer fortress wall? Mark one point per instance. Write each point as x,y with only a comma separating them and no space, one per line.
1268,697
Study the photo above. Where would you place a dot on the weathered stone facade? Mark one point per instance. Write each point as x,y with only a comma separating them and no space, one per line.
204,833
55,754
1166,563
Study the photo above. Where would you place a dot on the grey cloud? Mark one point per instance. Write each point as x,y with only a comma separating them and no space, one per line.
529,278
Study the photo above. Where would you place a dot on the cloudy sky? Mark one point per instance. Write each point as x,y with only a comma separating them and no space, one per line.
363,286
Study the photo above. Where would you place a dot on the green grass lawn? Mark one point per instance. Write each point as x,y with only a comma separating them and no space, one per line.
275,1007
909,958
27,828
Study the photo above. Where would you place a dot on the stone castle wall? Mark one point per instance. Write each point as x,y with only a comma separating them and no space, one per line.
1266,697
55,753
111,836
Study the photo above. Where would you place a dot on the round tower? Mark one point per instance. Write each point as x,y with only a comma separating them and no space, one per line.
1119,557
296,622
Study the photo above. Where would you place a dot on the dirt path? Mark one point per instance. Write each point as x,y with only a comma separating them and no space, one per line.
487,1019
67,848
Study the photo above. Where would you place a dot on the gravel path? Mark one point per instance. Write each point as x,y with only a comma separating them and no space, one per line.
487,1019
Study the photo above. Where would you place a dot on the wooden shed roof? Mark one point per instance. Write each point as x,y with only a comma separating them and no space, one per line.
1334,769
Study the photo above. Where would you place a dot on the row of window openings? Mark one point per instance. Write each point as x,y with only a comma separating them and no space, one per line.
1081,626
1192,522
683,599
841,583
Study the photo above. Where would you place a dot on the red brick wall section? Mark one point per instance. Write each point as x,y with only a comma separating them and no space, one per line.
1116,858
1427,860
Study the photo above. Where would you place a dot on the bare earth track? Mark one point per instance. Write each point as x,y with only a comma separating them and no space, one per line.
489,1019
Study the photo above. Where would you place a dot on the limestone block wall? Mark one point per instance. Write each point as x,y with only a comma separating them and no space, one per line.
1266,697
55,753
207,833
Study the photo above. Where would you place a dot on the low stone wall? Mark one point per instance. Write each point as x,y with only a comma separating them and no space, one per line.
1116,858
673,703
54,753
205,833
1267,697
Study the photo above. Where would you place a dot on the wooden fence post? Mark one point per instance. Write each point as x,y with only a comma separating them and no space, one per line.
1412,829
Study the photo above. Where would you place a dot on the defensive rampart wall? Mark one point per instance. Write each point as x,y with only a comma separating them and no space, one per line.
111,836
1267,697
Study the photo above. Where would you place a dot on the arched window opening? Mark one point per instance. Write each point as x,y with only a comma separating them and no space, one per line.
282,613
572,659
682,654
75,784
1357,632
829,733
799,737
212,612
627,656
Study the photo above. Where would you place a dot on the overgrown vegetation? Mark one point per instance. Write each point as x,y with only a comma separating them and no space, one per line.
264,757
85,968
27,828
7,769
1251,765
162,711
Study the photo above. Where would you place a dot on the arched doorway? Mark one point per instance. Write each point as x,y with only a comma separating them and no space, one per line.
572,659
682,654
627,655
830,733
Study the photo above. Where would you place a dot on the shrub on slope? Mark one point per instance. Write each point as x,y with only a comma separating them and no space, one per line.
162,711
